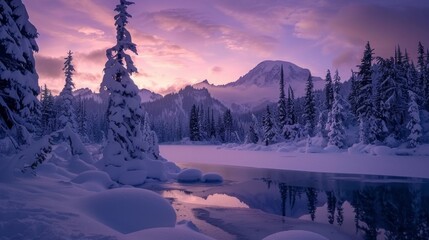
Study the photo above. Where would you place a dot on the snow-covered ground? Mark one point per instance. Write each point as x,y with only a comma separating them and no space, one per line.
377,161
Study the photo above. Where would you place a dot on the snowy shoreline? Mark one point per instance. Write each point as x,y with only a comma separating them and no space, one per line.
340,162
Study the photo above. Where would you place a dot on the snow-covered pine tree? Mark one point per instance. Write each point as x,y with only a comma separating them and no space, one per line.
309,107
150,140
329,91
290,106
352,98
281,104
194,126
422,73
19,106
48,114
364,95
268,128
66,100
251,136
228,124
82,119
413,124
124,114
336,130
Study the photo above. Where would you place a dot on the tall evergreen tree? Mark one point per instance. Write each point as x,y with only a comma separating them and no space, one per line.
414,123
194,126
48,114
364,96
309,107
82,119
268,127
335,128
422,69
19,106
228,124
281,104
66,100
290,116
329,91
352,98
124,114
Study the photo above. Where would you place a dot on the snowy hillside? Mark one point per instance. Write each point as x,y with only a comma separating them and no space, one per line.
148,96
260,85
170,114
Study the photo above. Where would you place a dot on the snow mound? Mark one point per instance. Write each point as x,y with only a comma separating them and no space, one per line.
168,234
133,178
295,235
331,149
212,178
189,175
95,180
129,209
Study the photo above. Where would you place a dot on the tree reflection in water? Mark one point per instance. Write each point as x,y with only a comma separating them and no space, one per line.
398,211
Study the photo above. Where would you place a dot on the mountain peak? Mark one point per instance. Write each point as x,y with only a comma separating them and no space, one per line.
267,73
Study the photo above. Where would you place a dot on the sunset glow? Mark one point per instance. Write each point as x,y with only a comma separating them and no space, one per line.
187,41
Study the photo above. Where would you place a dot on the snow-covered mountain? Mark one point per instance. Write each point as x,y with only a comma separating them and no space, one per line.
171,113
86,93
148,96
261,85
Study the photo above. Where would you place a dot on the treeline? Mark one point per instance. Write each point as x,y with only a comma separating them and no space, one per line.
386,105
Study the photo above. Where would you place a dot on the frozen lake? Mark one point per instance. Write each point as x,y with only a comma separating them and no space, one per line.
254,202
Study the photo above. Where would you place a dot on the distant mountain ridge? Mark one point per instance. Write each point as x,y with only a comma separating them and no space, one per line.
260,85
86,93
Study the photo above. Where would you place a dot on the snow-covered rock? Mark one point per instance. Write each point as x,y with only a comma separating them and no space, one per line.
295,235
129,209
133,178
189,175
212,178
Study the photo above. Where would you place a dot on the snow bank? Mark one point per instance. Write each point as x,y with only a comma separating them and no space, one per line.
295,235
129,209
212,178
349,162
189,175
168,234
94,180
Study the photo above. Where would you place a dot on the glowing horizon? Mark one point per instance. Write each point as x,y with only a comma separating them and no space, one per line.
185,42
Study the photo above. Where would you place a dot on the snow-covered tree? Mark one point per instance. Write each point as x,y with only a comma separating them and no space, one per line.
329,91
253,134
82,119
268,128
290,107
66,100
228,124
48,114
309,107
150,140
124,114
422,67
335,124
281,104
353,95
364,95
19,107
414,123
194,126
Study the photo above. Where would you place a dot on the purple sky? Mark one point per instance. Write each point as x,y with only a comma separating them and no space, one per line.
186,41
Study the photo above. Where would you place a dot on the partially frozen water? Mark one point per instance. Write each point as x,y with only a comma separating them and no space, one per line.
355,206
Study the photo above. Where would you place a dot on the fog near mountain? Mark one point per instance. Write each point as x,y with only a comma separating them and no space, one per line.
260,85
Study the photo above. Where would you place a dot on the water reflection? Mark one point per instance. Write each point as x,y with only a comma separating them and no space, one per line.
385,211
368,207
215,200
